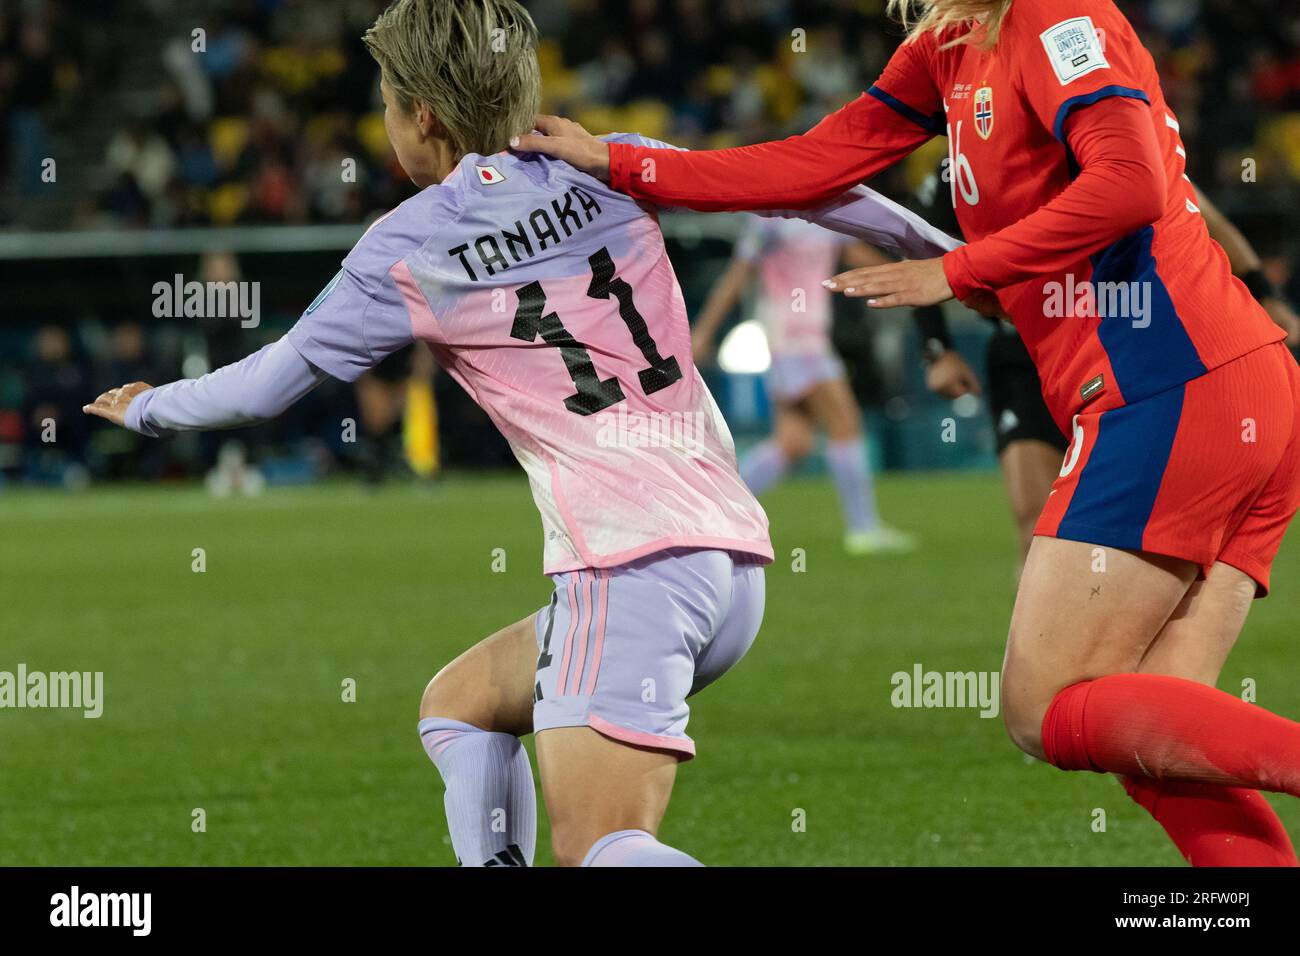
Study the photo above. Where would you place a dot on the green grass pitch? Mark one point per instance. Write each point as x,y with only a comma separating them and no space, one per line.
223,690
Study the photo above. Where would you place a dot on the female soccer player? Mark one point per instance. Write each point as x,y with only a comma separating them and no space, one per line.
1030,445
550,298
806,382
1184,468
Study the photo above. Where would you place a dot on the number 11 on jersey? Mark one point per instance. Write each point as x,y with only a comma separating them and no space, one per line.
593,393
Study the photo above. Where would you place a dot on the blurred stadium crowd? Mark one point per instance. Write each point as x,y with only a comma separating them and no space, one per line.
256,128
259,127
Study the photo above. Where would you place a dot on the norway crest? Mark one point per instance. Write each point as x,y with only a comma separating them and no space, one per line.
984,111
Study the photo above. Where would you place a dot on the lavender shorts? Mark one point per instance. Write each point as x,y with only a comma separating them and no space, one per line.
622,648
791,377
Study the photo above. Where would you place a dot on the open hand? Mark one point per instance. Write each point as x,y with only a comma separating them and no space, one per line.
112,405
566,140
912,282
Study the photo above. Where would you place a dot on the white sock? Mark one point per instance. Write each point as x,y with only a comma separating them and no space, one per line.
848,465
763,466
635,848
491,803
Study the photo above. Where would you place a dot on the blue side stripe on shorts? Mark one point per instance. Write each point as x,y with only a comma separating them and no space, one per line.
1118,486
1154,353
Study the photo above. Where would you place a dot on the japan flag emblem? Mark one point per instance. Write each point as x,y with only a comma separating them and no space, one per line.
490,175
984,111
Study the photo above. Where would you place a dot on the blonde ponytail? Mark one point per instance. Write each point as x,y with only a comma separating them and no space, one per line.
935,16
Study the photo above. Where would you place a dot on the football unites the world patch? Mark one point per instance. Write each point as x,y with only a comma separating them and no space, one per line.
1074,49
984,111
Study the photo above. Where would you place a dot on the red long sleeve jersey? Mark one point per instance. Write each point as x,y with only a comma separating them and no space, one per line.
1082,220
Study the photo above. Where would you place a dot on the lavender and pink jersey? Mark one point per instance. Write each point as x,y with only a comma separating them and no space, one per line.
551,299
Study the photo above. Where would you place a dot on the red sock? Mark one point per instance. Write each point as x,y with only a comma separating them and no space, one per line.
1213,825
1167,728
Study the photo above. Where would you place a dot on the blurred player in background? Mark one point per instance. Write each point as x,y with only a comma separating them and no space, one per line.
1030,445
806,381
399,422
1181,398
49,409
551,299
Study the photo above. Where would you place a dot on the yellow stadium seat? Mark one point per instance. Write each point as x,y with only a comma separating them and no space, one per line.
923,162
228,135
650,118
370,130
598,118
549,56
323,127
226,203
1282,134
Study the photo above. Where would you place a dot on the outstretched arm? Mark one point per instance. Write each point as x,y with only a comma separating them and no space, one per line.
859,212
359,318
865,214
1120,188
849,146
248,392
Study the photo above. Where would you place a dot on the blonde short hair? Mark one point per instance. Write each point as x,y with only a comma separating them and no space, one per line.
473,63
936,16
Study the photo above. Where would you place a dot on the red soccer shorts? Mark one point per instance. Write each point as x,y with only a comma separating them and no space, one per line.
1207,471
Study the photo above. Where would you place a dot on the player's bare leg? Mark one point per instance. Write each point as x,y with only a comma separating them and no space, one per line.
611,818
834,408
1029,467
1074,696
491,684
1082,611
1196,640
794,430
1211,825
769,461
471,717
